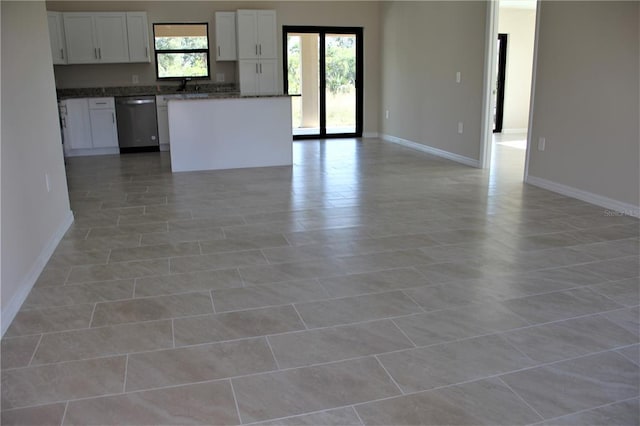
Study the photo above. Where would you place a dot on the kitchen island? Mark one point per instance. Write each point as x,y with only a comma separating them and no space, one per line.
230,132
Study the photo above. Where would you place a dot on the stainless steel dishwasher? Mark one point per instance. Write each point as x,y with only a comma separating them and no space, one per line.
137,123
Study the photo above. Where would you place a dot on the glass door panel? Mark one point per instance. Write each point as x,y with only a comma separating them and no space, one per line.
340,83
322,67
303,77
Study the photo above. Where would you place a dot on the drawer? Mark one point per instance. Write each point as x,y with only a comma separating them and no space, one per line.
101,103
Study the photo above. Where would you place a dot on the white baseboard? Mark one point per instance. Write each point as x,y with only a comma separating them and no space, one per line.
92,151
433,151
511,131
12,308
164,147
589,197
370,135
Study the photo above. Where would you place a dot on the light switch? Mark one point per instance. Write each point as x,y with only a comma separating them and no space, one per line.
458,77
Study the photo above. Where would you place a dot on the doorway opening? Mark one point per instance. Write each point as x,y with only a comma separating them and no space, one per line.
514,38
498,109
323,76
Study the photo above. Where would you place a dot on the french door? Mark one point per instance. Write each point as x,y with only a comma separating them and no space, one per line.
323,75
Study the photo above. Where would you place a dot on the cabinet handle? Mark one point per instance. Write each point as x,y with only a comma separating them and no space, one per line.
61,53
218,50
256,50
99,53
146,51
260,49
257,69
113,118
101,103
95,52
260,68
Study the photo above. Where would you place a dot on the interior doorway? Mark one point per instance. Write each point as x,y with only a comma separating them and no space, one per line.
323,76
513,32
498,110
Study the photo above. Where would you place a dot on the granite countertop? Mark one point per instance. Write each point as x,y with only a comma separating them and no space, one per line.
213,90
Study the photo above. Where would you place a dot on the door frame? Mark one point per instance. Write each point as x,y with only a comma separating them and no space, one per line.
489,81
501,79
322,31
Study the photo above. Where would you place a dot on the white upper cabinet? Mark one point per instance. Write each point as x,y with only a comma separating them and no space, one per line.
138,34
103,37
56,38
267,45
79,35
257,52
111,37
226,36
256,31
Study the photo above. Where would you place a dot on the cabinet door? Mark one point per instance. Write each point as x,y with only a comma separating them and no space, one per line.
248,70
267,45
247,36
111,36
226,36
268,77
104,132
138,35
76,125
56,38
79,35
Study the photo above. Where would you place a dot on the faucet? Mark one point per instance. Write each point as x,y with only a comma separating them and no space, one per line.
183,84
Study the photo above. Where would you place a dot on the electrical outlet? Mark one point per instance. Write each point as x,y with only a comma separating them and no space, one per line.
460,127
542,143
386,114
47,182
220,77
135,79
458,77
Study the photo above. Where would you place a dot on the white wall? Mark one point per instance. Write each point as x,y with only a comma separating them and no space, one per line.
33,219
424,44
586,100
364,14
520,25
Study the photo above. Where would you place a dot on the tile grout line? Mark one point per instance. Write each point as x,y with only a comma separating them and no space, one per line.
490,333
126,369
403,332
213,305
64,413
300,316
272,353
353,407
414,301
393,380
235,400
520,397
33,355
585,410
95,305
173,333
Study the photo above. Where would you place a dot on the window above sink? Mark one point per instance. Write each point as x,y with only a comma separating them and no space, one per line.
181,50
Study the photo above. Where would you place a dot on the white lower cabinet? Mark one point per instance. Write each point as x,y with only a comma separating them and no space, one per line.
104,132
89,126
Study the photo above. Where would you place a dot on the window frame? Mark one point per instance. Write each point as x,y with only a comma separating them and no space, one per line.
156,52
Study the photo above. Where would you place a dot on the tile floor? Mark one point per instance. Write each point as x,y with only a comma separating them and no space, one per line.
369,284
